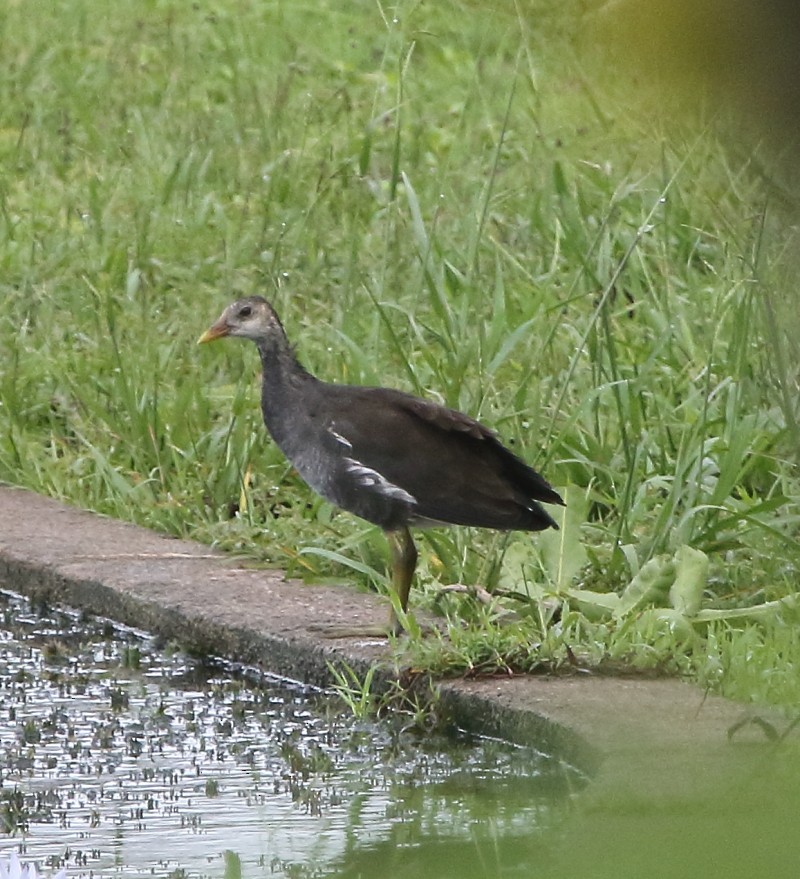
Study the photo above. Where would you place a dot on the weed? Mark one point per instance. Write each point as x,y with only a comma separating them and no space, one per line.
356,693
445,204
14,812
411,695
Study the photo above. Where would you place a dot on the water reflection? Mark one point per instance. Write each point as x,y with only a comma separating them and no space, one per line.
741,825
123,759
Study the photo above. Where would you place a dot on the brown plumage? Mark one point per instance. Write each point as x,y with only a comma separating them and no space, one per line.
391,458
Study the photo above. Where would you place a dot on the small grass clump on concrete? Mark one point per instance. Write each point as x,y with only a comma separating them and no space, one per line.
438,198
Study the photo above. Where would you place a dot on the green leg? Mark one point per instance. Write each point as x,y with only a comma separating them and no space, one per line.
404,562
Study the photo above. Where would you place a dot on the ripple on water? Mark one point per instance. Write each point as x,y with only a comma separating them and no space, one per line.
127,758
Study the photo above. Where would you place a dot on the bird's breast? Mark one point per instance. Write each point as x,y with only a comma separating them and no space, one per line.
326,461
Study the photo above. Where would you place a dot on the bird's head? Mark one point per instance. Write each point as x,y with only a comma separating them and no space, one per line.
248,318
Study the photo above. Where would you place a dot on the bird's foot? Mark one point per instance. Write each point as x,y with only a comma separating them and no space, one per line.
343,630
482,595
395,629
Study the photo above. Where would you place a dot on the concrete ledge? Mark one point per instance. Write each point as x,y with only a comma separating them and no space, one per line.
211,602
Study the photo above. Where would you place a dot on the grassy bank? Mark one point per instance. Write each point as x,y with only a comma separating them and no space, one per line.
437,198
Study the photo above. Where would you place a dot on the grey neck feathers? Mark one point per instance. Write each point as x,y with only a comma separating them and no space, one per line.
284,381
277,355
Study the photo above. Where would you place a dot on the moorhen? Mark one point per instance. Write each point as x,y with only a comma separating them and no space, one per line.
384,455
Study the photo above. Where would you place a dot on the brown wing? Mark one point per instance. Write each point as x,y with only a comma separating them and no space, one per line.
455,468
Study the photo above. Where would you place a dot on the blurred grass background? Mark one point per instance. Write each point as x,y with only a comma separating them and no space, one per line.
494,207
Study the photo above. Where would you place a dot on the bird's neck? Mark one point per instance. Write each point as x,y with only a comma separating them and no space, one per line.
283,383
282,369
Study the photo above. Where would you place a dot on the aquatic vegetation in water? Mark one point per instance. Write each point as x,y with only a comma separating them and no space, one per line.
125,754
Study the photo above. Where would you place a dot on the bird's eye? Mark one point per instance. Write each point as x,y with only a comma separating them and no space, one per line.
245,311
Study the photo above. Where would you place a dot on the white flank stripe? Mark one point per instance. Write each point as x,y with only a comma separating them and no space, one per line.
369,478
340,439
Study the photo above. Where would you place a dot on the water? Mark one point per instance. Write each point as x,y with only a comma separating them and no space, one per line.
126,758
120,757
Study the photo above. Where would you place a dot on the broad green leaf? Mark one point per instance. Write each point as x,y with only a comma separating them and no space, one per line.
691,574
649,586
761,612
665,621
563,553
594,606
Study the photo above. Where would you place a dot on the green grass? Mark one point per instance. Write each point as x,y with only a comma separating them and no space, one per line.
438,197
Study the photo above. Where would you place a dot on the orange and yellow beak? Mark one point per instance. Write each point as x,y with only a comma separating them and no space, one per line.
216,331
